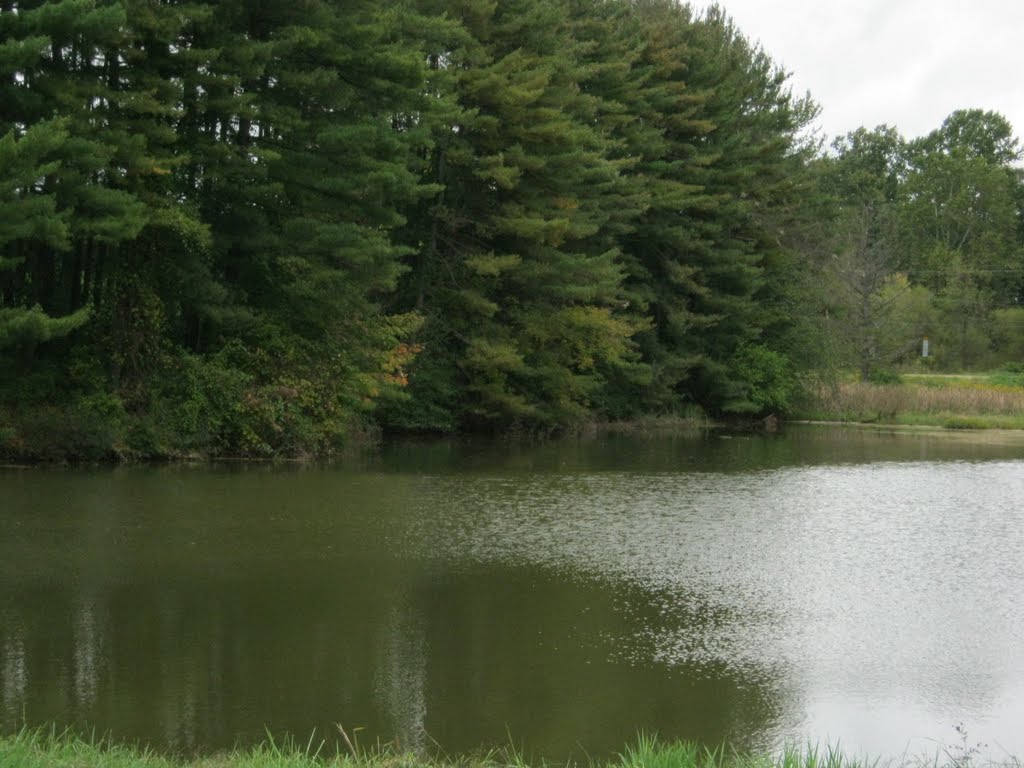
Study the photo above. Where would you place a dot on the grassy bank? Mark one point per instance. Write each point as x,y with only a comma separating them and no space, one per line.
975,401
40,749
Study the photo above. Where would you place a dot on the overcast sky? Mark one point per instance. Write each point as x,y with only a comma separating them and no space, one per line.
908,63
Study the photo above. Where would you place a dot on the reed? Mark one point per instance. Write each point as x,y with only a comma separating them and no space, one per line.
953,403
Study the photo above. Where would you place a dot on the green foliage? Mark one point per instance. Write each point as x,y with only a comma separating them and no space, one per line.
884,376
1008,336
32,326
1014,367
28,212
87,428
1011,375
264,229
937,250
770,383
517,270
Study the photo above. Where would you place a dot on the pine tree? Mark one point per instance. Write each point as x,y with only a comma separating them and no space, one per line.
29,220
520,275
725,171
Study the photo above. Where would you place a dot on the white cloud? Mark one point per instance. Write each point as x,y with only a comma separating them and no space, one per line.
908,63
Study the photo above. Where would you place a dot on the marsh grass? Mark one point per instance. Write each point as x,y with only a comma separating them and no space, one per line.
685,419
49,749
974,402
690,421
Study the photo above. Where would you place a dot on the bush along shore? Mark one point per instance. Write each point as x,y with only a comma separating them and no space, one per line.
48,749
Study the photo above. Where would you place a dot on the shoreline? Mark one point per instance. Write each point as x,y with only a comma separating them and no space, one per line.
45,748
594,430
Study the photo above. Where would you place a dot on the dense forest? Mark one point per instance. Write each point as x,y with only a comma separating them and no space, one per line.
257,229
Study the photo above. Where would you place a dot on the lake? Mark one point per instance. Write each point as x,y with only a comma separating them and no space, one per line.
850,586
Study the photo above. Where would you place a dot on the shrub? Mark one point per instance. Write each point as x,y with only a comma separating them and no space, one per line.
768,379
884,376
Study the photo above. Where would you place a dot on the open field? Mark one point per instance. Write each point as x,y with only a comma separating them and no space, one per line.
963,401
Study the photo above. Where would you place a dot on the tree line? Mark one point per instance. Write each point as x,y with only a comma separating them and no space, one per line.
258,228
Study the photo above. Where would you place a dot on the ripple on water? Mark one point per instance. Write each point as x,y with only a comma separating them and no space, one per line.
862,602
895,583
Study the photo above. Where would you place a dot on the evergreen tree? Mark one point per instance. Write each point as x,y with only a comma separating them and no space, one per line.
29,220
520,278
725,180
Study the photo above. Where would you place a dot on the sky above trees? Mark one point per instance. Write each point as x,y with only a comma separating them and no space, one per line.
907,63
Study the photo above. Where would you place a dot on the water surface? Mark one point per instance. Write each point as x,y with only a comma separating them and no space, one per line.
846,585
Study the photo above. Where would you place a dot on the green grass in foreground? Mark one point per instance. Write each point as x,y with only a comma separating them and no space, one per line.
41,749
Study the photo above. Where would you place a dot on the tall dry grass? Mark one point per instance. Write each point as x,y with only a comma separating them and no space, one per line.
909,402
